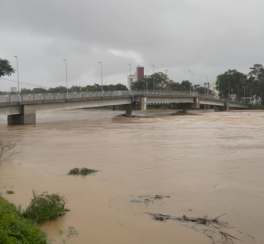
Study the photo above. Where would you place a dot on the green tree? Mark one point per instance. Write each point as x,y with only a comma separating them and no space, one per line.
255,84
5,68
140,85
58,89
230,83
160,80
39,90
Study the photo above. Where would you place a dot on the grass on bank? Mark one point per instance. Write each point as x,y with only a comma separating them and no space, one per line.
15,229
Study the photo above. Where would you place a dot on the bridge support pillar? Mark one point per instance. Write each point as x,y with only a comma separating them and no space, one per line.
143,103
27,117
226,106
128,108
196,103
217,108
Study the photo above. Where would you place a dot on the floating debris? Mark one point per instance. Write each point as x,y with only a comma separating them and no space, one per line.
148,198
215,229
82,171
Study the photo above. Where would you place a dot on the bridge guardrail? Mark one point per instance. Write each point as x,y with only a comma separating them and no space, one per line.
13,98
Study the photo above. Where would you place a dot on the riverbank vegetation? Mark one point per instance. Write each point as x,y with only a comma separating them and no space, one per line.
44,206
14,229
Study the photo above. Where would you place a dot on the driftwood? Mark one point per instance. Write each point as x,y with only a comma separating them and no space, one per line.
215,229
202,221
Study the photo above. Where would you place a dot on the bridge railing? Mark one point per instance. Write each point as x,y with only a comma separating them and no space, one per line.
13,98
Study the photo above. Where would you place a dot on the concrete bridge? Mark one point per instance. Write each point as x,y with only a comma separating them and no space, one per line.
22,109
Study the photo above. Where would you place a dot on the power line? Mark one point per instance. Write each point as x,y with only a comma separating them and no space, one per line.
29,84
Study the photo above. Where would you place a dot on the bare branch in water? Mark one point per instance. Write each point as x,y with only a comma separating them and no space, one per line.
7,150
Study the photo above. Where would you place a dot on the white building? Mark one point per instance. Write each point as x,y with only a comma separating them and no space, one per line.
131,78
13,89
212,87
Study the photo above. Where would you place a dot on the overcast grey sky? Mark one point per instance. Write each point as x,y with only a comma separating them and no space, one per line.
204,36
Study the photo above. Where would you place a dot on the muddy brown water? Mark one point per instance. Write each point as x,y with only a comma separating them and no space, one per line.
209,164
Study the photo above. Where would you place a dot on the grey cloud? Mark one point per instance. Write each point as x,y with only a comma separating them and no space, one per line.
205,36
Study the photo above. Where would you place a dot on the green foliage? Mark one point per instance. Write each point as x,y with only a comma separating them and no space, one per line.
161,82
10,192
74,171
45,207
239,84
5,68
231,82
15,229
85,171
82,171
66,235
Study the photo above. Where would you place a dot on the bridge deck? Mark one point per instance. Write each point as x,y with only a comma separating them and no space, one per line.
9,103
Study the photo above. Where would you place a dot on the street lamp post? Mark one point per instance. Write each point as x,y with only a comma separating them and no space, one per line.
18,85
190,76
166,71
147,80
66,70
229,90
129,77
153,78
244,94
207,93
102,78
193,80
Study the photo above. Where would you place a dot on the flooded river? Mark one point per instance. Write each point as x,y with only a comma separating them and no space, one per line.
209,164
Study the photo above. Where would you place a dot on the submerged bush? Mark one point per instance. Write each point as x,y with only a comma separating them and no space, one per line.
85,171
74,171
10,192
17,230
44,207
82,171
